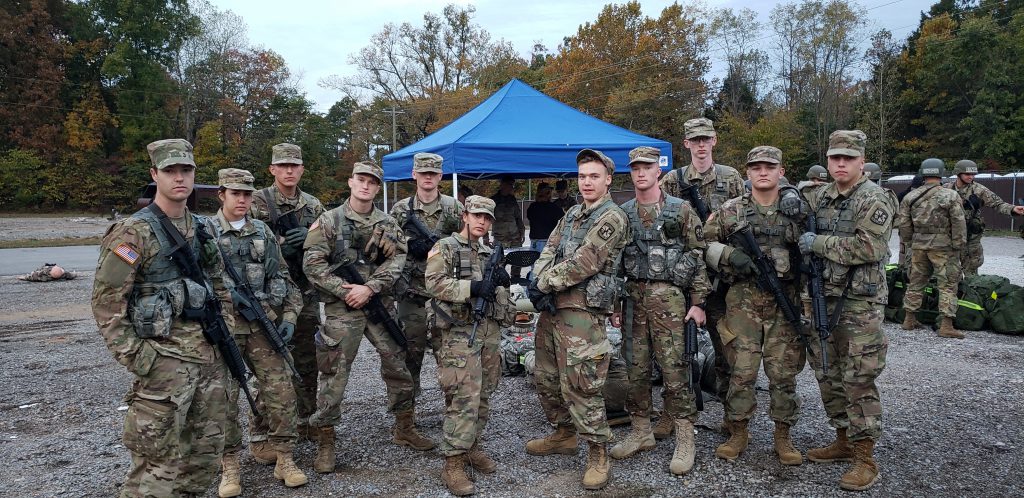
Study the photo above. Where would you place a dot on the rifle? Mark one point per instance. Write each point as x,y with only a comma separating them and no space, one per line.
423,235
816,289
375,310
257,314
497,261
210,316
690,353
693,194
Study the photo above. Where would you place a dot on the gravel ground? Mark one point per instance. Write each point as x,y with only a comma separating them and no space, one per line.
21,228
952,426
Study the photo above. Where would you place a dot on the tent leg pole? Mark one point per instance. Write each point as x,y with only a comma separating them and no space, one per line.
385,189
455,185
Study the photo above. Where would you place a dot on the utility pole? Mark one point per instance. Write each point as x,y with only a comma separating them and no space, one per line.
394,126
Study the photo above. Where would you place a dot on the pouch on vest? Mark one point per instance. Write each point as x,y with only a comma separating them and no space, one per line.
278,289
195,298
153,309
685,270
602,291
780,256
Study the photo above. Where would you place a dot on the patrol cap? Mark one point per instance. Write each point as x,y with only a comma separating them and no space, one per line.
699,127
596,155
167,153
846,143
480,204
650,155
286,153
764,154
368,168
426,162
235,179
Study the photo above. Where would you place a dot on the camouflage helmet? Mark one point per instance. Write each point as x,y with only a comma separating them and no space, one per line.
932,167
873,171
965,166
817,172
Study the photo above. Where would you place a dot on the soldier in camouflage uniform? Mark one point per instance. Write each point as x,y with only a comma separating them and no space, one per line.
931,223
577,285
756,328
716,183
174,427
441,214
817,175
468,373
976,196
854,220
359,234
509,228
251,248
278,206
48,273
664,268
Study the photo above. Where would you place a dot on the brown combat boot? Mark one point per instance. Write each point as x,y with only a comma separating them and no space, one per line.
563,441
598,467
480,461
665,427
639,439
864,472
230,482
737,442
287,471
405,433
324,461
305,432
262,452
788,454
910,322
454,476
839,451
682,458
946,329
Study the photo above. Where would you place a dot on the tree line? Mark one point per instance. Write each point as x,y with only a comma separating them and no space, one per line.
85,85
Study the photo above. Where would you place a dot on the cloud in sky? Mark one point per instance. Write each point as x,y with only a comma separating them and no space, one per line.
316,37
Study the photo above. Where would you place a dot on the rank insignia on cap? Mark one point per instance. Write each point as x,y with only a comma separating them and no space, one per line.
126,253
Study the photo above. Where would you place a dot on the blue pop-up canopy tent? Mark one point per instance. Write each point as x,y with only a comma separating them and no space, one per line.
521,132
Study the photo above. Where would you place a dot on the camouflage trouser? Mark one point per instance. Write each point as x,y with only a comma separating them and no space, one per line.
174,427
659,333
468,376
275,400
413,314
856,353
343,331
945,266
972,256
572,360
715,311
304,358
755,329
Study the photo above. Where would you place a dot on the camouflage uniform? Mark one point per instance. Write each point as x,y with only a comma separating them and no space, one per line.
972,255
508,228
42,274
340,236
931,220
578,266
174,427
443,216
307,209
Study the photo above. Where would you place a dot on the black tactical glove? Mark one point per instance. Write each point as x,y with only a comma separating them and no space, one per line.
296,237
419,248
541,300
741,263
483,288
790,203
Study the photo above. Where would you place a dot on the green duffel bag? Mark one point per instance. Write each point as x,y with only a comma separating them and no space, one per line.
1007,314
896,280
984,286
970,314
894,313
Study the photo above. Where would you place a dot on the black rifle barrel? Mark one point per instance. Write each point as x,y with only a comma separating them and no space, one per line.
375,310
816,291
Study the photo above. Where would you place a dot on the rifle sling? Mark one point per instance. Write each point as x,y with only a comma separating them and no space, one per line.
834,319
179,242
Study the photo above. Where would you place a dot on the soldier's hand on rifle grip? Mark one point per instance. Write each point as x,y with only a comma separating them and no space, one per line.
239,300
296,237
287,330
483,288
806,242
697,315
357,295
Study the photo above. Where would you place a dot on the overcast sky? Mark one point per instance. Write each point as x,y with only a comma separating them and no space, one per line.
315,37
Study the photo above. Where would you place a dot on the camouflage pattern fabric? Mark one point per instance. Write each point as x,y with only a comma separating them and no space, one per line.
508,227
945,267
932,219
716,185
972,255
468,375
275,399
42,274
174,427
344,327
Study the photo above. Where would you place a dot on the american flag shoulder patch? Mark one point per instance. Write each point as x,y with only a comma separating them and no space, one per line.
126,253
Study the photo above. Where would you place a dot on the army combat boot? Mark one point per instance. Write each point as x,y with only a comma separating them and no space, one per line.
839,451
454,476
324,461
788,455
598,467
262,452
230,483
287,471
737,442
682,459
639,439
946,329
405,433
910,322
480,461
864,472
562,441
665,426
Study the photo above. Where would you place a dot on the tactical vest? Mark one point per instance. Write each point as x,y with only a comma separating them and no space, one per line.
306,216
350,242
770,237
602,288
448,221
928,228
248,254
654,250
444,313
164,292
721,192
866,281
